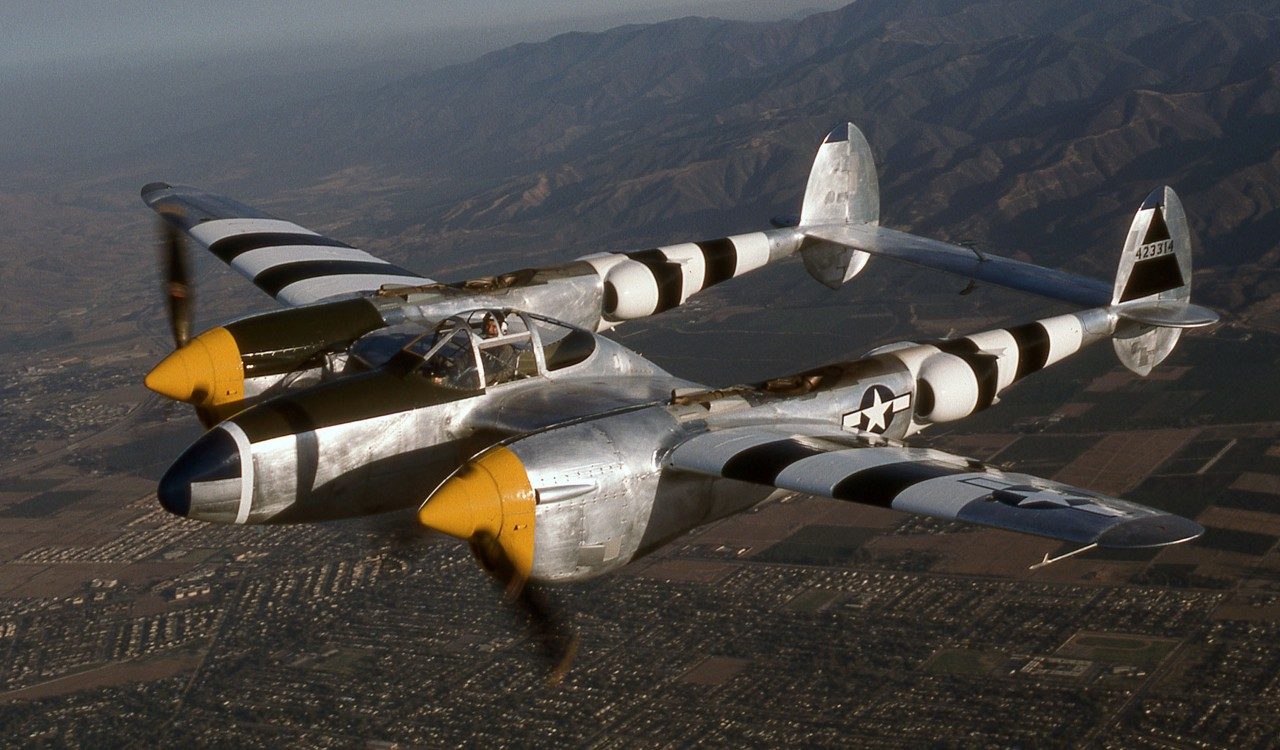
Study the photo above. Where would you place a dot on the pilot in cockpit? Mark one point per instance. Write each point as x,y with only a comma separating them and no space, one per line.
452,363
499,360
493,327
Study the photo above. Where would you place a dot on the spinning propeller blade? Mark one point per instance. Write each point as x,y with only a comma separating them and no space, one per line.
178,291
557,641
490,504
177,277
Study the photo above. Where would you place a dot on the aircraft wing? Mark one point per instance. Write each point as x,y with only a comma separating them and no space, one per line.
826,461
295,265
962,261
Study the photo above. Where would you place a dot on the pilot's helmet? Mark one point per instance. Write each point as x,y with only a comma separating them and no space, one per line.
495,324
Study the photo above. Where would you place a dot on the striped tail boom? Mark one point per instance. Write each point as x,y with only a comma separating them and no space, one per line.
647,282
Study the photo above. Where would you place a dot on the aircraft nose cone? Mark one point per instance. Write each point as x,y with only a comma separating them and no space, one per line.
205,482
207,371
172,377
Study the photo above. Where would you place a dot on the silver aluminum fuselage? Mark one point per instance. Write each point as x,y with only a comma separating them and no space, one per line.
593,437
380,440
610,500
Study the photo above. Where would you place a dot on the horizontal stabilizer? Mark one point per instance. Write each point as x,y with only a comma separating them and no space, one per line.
962,261
1168,314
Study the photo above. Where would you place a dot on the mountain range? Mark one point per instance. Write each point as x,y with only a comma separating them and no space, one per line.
1029,127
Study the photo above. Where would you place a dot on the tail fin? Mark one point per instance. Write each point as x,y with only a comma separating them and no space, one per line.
842,189
1152,297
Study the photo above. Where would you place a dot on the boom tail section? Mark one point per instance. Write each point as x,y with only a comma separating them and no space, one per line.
1150,307
955,378
842,190
1152,296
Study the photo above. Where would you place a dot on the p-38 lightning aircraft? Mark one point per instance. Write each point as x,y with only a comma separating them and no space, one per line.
497,408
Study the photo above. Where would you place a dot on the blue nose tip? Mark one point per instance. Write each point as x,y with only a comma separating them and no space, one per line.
201,472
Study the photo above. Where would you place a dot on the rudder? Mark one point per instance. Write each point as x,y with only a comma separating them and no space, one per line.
1152,295
842,189
1157,252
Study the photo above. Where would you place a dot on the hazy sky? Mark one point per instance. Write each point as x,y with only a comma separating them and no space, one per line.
84,77
39,33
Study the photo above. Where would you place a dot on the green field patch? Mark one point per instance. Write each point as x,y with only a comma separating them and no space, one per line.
1118,648
818,544
1062,449
344,661
963,661
1231,540
1109,641
813,600
192,556
45,504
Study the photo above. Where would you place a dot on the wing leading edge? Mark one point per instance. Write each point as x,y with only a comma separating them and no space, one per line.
291,263
826,461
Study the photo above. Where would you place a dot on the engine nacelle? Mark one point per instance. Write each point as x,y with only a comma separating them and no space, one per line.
577,501
595,484
632,291
564,504
951,386
226,368
637,285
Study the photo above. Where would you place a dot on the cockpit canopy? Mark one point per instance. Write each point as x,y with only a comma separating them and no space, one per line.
479,349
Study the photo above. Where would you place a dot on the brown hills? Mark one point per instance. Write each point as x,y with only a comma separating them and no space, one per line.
1026,126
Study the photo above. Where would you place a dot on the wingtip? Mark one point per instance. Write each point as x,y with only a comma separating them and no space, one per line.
152,187
1150,531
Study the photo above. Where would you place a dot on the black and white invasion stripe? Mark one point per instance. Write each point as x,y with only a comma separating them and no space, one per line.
923,481
831,464
295,265
648,282
961,376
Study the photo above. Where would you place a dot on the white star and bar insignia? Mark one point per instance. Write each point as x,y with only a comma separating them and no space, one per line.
1041,498
878,408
